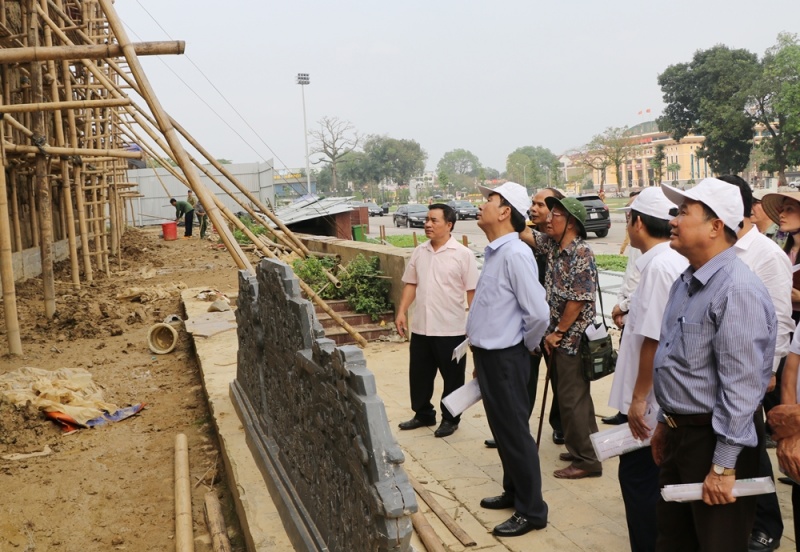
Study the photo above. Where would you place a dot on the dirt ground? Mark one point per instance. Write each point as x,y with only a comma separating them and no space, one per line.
111,488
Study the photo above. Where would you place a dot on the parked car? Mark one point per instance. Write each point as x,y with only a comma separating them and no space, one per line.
597,215
410,215
373,209
464,209
385,207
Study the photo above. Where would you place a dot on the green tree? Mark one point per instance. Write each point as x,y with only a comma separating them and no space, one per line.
334,140
657,162
535,166
707,97
393,159
673,168
774,105
459,161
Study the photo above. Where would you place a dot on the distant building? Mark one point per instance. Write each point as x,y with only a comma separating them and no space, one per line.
426,181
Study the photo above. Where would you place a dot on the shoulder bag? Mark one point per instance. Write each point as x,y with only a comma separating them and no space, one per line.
598,357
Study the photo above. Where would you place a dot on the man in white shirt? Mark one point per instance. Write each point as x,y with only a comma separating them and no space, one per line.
768,261
439,275
632,390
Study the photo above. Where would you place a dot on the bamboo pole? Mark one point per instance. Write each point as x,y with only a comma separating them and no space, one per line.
14,205
88,152
184,538
166,127
216,523
87,51
41,179
441,513
426,533
7,265
66,104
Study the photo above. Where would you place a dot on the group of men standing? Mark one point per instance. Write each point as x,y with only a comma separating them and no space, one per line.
697,354
188,209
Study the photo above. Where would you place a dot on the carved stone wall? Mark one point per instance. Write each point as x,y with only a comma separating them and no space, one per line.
315,423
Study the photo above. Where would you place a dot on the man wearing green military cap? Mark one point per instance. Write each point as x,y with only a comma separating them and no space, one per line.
571,285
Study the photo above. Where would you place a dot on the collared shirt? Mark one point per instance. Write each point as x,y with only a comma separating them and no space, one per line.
630,280
509,304
772,266
715,350
442,278
659,268
571,276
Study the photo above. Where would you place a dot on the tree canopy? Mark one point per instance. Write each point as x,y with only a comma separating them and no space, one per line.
459,161
534,166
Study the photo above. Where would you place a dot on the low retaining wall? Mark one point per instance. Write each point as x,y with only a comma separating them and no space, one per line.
315,423
28,262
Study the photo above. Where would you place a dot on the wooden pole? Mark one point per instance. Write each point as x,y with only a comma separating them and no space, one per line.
426,533
166,127
66,104
88,51
7,265
441,513
41,178
14,207
184,538
216,523
88,152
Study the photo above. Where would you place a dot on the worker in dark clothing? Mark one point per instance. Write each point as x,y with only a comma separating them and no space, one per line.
184,209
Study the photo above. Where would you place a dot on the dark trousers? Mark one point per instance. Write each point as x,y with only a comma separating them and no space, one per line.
768,510
638,480
688,455
503,376
555,413
188,222
427,355
579,420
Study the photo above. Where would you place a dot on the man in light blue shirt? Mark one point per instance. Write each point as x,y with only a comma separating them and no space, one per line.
507,319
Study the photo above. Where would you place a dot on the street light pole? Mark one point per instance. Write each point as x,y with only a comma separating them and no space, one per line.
303,79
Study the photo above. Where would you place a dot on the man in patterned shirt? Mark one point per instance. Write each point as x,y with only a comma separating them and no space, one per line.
571,285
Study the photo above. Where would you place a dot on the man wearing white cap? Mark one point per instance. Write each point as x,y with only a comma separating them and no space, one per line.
711,370
658,267
507,319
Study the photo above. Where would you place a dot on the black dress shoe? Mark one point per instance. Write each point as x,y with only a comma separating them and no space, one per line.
490,443
786,480
617,419
445,428
414,423
761,542
498,502
517,525
558,437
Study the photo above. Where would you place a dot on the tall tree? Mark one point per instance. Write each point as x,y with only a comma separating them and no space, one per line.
609,149
537,166
657,162
774,105
394,159
707,97
334,139
459,161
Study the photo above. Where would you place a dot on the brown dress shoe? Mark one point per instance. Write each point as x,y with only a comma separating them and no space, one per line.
571,472
566,457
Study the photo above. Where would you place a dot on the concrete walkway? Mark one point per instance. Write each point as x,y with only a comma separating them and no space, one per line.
585,515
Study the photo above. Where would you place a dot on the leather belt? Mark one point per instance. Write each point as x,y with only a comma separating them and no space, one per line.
677,420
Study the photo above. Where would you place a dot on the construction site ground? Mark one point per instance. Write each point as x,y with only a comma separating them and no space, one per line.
111,488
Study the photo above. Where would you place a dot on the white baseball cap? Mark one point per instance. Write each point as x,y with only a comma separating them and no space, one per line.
651,202
715,194
514,193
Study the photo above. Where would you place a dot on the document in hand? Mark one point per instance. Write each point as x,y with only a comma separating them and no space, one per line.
694,491
461,350
619,439
463,397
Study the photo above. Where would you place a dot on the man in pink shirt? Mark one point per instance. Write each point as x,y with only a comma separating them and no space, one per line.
440,274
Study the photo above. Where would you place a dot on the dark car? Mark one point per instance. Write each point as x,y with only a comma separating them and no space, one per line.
373,209
410,215
464,209
597,216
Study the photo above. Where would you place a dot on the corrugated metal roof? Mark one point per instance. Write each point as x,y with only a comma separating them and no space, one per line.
308,207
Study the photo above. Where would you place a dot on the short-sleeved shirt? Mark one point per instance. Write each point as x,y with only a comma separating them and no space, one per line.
442,278
659,267
571,276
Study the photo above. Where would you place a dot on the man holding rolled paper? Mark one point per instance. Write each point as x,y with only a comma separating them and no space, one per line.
711,370
658,266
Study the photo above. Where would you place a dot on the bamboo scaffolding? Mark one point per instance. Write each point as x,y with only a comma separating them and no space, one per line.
88,51
89,152
67,104
7,265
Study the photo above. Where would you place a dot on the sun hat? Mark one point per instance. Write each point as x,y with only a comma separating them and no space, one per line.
514,193
772,202
714,194
651,202
759,194
571,206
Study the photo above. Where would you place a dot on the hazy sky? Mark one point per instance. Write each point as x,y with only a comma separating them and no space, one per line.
486,76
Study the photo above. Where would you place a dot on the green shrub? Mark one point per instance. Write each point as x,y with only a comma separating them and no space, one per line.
616,263
312,271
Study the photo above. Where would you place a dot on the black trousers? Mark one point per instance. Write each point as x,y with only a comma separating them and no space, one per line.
427,355
188,221
768,510
688,456
638,480
503,376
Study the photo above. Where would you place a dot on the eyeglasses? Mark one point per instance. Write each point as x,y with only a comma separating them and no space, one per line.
553,214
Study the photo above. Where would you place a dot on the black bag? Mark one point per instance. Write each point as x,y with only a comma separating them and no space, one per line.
598,357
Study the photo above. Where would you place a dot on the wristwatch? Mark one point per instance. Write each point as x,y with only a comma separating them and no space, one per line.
558,331
719,470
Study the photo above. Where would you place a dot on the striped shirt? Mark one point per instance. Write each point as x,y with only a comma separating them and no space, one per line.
715,350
